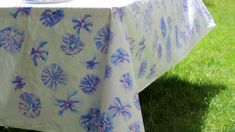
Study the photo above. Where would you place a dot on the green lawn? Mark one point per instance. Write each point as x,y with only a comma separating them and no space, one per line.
199,93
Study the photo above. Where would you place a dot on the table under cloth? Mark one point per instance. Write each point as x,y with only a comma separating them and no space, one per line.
79,66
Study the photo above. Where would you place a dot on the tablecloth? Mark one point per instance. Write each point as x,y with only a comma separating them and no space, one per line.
79,66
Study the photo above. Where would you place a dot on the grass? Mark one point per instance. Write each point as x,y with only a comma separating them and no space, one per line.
197,95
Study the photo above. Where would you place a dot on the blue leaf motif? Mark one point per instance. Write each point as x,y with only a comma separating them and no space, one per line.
89,84
53,76
71,44
163,27
178,45
127,81
103,39
90,64
11,39
38,53
29,105
83,23
142,69
50,18
108,72
120,57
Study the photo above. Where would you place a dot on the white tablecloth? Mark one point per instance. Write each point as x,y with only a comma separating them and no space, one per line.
79,66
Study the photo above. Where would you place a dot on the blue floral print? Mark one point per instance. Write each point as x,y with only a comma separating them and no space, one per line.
163,27
71,44
18,82
142,69
29,105
90,64
153,70
89,84
103,39
23,11
178,45
137,101
53,76
119,12
108,72
11,39
50,18
134,127
95,120
141,48
120,57
168,49
131,43
119,108
38,53
126,81
68,104
83,23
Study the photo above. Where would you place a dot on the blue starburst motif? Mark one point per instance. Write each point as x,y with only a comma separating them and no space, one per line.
119,108
119,12
103,39
137,101
53,76
141,48
89,84
22,11
152,72
108,72
71,44
29,105
95,121
11,39
163,27
120,57
83,23
168,49
68,104
39,54
142,69
126,81
90,64
50,18
134,127
18,82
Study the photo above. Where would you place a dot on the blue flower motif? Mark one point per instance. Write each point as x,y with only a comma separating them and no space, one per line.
168,49
29,105
18,82
95,121
119,12
68,104
127,81
90,121
142,69
178,45
83,23
134,127
71,44
103,39
105,123
23,11
50,18
11,39
108,72
120,56
38,53
141,48
137,101
91,63
53,76
163,27
89,84
118,108
153,70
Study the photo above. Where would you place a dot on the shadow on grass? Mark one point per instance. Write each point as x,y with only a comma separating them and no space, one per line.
174,105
